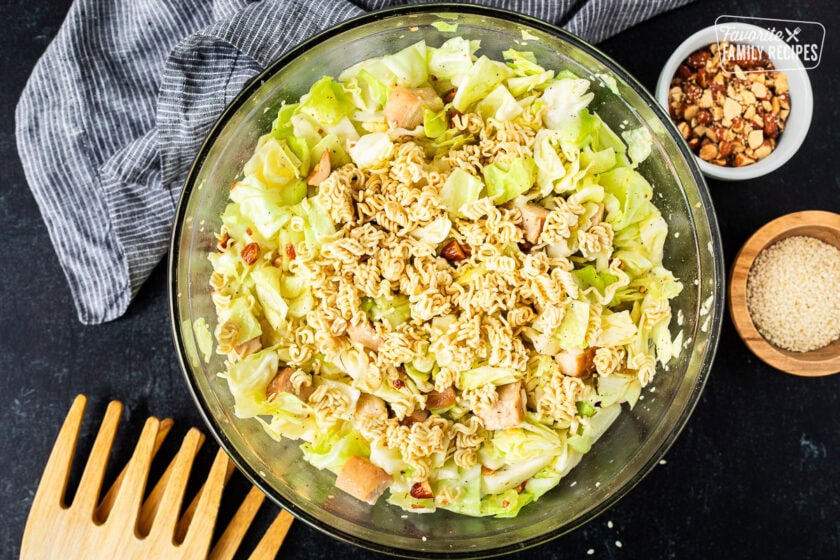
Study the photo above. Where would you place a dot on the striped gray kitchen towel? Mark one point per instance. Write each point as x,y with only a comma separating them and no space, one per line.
117,107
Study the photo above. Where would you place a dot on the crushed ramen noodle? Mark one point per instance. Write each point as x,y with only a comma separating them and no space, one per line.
443,275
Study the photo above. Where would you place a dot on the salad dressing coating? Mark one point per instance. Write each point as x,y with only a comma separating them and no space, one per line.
443,275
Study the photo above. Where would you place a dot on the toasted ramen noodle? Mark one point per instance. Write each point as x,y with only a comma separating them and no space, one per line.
402,287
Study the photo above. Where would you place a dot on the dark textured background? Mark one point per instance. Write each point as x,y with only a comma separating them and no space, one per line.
755,474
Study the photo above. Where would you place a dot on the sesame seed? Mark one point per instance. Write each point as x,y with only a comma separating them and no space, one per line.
618,544
793,293
609,524
590,552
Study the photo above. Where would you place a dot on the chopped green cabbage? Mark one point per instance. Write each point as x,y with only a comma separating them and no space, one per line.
481,79
577,165
460,188
508,179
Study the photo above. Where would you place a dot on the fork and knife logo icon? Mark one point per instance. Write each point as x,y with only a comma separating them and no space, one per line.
792,35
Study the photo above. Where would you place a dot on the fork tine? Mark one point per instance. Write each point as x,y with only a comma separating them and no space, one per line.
149,509
200,532
230,540
186,519
53,484
127,503
273,539
170,503
108,501
91,484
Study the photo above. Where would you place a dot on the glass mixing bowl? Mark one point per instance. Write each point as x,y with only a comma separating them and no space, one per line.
636,441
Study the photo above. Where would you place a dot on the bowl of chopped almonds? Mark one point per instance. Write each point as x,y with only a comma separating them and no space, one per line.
743,107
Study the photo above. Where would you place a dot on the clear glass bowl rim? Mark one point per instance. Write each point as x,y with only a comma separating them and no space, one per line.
248,90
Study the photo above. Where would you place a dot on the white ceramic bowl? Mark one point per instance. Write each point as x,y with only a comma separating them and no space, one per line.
801,101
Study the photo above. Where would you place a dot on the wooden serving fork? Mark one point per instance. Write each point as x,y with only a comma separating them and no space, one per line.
123,525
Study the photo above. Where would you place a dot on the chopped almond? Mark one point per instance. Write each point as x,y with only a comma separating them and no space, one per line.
422,490
576,363
321,171
414,417
249,347
454,251
508,411
365,335
223,242
290,251
442,399
250,253
282,383
371,406
362,479
533,219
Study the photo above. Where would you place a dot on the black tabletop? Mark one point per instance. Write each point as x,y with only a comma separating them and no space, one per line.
755,474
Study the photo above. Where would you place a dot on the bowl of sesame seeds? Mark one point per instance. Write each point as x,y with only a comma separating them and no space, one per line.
784,293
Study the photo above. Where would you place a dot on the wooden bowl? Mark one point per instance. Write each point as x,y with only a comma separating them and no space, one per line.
822,225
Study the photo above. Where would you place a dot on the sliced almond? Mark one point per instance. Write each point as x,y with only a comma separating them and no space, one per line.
675,93
321,170
764,150
742,160
690,112
755,139
759,90
706,100
781,83
708,152
731,108
750,112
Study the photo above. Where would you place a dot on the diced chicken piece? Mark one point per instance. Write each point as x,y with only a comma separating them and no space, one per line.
362,479
430,98
416,416
404,107
422,490
533,219
282,383
576,363
321,170
371,406
509,409
249,347
443,399
365,335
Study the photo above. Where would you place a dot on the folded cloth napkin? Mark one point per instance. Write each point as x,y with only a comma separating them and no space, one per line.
119,104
